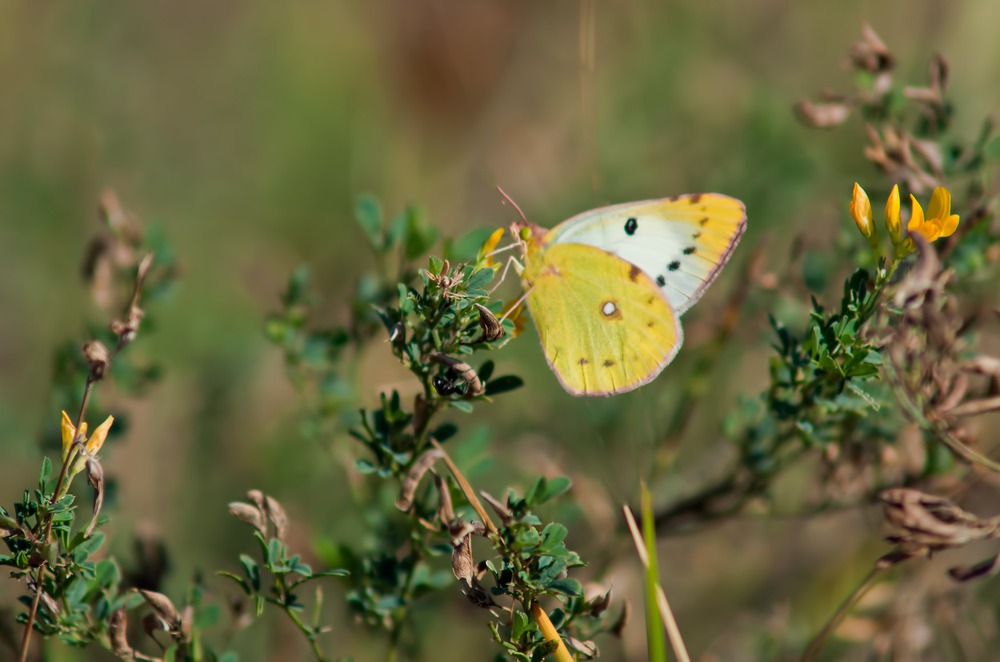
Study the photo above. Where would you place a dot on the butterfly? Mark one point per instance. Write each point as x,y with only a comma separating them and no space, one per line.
606,288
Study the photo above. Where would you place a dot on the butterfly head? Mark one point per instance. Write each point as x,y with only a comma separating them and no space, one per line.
528,236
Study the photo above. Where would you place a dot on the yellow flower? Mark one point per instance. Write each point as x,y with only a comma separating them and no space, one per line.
861,212
93,444
512,310
485,257
939,222
892,220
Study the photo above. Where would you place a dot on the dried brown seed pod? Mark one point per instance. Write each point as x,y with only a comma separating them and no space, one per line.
164,608
95,476
98,358
249,514
409,485
488,322
118,634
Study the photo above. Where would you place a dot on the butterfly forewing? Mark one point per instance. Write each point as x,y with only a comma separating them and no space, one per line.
604,325
681,243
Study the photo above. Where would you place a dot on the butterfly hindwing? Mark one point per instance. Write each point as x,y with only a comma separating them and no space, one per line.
604,325
681,242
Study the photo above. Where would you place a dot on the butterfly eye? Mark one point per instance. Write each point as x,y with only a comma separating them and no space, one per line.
525,233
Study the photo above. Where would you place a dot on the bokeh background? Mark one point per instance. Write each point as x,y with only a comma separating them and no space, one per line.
245,130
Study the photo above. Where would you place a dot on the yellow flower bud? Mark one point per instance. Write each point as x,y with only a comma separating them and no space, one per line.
892,220
861,212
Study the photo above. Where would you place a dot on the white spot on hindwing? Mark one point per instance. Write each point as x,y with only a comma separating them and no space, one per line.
609,308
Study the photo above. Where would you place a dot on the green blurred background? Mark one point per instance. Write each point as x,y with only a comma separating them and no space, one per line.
244,130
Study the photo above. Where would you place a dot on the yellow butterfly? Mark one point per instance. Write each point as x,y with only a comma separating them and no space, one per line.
606,287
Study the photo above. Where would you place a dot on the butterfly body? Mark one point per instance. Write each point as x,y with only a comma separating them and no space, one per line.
606,287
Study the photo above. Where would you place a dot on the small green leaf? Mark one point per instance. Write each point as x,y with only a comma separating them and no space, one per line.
444,432
396,230
419,236
504,384
461,405
252,572
519,625
333,573
45,475
992,149
368,213
207,617
236,578
864,395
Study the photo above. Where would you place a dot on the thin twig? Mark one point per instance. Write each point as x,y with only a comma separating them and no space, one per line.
831,625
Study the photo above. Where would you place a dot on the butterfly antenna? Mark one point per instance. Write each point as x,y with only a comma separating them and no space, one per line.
511,201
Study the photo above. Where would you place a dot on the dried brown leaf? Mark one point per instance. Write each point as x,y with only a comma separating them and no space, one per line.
822,115
871,53
980,570
923,523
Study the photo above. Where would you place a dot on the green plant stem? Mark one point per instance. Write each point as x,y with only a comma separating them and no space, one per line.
817,643
405,595
309,634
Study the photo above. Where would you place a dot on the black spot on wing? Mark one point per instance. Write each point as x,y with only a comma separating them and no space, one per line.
661,281
583,361
689,250
608,363
674,266
703,222
631,225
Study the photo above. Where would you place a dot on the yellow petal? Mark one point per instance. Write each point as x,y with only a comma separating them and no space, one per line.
940,205
949,225
892,221
484,258
509,311
861,211
100,434
916,216
68,433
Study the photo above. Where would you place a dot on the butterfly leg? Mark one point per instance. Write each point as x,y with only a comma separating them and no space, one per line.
518,267
517,304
